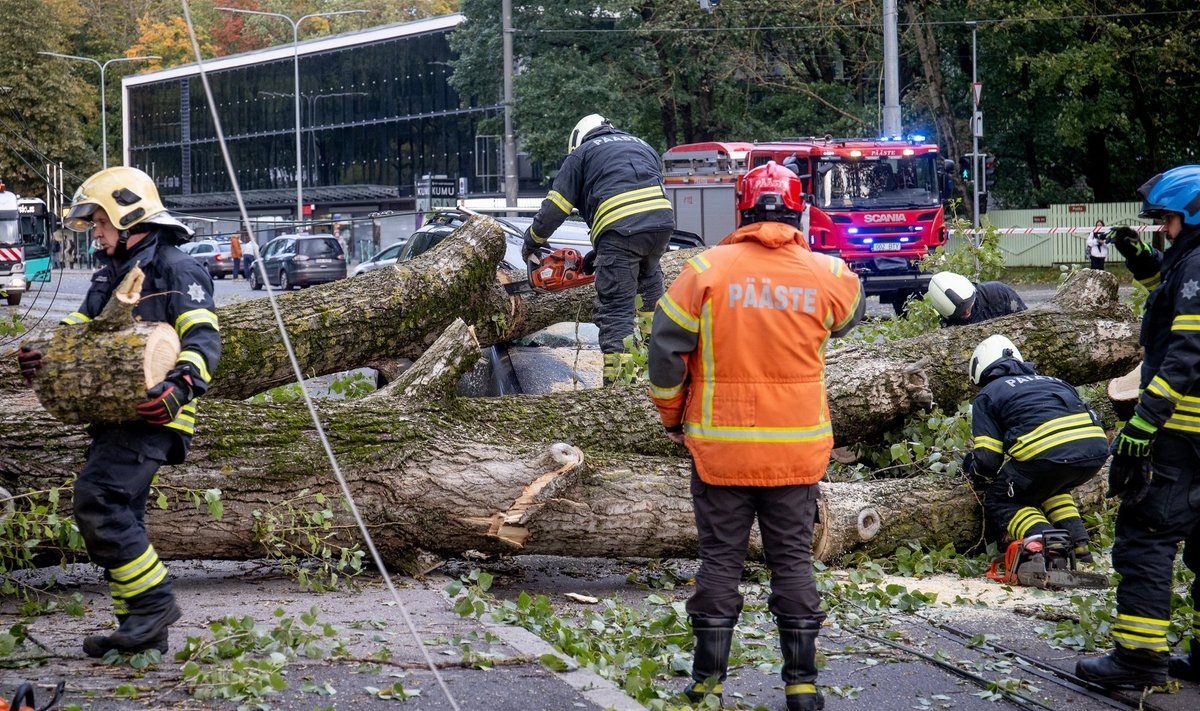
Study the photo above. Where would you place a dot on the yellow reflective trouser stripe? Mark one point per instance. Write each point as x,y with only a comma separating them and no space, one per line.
120,607
676,313
699,263
137,576
1060,508
195,317
793,689
1025,518
1049,442
664,393
702,688
759,434
1134,632
1186,322
989,443
75,317
136,566
185,421
197,360
629,196
559,201
627,211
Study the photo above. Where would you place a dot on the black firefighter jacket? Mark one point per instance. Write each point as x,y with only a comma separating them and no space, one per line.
1029,416
1171,335
615,181
182,292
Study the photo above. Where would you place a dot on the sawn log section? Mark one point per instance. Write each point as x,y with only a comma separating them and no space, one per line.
436,472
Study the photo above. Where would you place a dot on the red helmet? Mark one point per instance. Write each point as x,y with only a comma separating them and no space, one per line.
770,193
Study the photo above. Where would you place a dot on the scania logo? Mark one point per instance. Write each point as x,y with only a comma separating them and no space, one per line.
885,217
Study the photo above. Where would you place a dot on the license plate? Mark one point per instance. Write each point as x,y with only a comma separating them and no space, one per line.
885,247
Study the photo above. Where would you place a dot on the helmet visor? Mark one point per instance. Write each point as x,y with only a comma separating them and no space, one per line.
79,218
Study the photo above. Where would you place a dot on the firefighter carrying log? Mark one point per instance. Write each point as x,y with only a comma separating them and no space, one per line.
1053,442
1155,467
736,363
130,226
615,181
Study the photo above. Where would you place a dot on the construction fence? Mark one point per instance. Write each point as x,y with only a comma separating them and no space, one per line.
1056,234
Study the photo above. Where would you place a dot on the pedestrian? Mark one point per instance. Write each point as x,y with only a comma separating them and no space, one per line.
960,301
736,362
1034,441
56,251
1155,466
615,181
249,254
122,209
1097,246
235,255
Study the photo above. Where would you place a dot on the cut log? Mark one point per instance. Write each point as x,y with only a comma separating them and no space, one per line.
98,372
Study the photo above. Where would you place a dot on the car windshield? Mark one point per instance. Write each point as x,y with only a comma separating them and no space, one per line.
422,242
871,185
9,232
319,248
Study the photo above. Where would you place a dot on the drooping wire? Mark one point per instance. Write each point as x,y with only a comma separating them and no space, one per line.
308,402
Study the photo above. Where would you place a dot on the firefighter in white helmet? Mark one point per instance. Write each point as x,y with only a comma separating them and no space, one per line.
122,210
960,301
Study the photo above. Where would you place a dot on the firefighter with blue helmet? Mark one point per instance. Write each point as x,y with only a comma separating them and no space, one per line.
615,181
1155,466
1052,441
121,207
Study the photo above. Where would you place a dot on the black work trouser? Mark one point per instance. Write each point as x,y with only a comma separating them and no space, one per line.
1148,533
1032,483
786,516
626,267
110,500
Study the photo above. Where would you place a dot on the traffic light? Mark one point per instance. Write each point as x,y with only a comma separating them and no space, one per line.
989,166
983,203
964,168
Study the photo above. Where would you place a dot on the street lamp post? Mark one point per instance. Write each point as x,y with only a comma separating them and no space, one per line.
296,75
312,100
103,104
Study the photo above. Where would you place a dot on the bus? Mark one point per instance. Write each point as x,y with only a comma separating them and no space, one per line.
25,234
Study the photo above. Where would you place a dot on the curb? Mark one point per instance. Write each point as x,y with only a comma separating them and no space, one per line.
588,683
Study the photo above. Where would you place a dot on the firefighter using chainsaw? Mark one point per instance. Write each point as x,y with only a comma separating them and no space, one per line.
615,181
130,226
959,301
1155,466
1053,442
736,365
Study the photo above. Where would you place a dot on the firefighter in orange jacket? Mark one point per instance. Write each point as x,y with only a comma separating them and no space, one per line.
736,367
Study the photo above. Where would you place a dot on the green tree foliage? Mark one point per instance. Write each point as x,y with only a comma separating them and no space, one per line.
44,105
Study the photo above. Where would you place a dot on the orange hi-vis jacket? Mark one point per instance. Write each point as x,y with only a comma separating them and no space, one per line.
737,355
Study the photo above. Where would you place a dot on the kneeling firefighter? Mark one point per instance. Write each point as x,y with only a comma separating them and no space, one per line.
959,301
736,360
130,226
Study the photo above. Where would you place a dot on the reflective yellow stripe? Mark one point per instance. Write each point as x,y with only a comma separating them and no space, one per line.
852,312
136,566
150,580
793,689
759,434
707,376
836,265
185,421
1151,281
989,443
1135,632
1060,508
197,360
1161,388
1020,448
664,393
1184,423
622,213
676,313
629,196
1186,322
1025,519
1051,441
699,263
559,201
75,317
195,317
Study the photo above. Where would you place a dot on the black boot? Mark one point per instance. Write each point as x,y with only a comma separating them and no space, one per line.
1123,667
798,642
710,660
1186,667
146,629
98,645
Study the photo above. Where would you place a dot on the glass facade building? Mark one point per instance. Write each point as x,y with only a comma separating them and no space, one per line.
377,113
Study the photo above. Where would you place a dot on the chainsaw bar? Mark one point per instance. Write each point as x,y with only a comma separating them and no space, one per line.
1035,575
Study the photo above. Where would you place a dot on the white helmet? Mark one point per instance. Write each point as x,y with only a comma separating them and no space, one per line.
992,349
586,125
951,294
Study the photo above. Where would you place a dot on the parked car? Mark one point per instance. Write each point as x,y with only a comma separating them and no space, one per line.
385,258
214,255
300,260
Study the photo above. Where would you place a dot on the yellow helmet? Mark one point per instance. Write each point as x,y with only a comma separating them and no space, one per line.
127,195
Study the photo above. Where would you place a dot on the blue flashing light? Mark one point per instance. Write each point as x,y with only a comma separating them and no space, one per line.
919,228
917,138
852,230
903,239
868,241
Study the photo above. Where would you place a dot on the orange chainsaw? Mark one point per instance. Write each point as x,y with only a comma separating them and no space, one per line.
1045,561
559,270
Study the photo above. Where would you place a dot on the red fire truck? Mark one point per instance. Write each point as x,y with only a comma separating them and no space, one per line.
879,201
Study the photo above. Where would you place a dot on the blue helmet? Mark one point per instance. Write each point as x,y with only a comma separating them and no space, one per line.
1177,190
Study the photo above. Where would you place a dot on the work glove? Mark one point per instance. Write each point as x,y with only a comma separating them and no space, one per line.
1129,472
1134,439
31,362
1127,242
589,262
167,398
532,249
